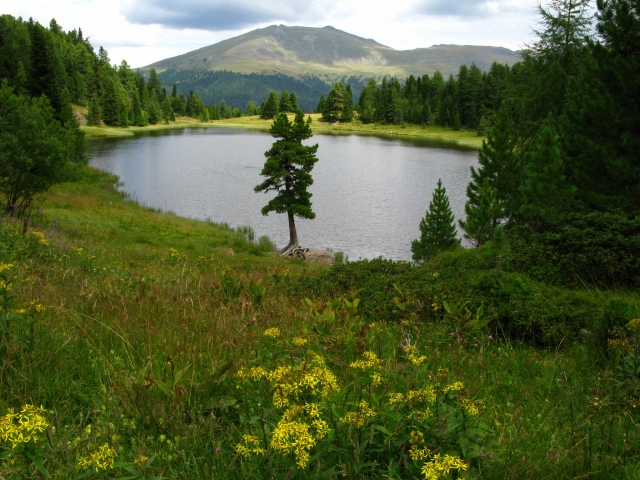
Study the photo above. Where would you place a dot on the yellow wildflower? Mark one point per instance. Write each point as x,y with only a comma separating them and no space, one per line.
370,361
23,427
40,237
102,459
418,454
249,445
454,387
6,266
357,419
299,341
620,346
376,379
293,434
440,467
634,325
416,437
254,373
272,332
421,415
469,407
140,461
173,253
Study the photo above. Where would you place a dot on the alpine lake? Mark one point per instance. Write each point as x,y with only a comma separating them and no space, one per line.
369,192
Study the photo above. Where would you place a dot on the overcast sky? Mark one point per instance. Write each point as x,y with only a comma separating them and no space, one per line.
145,31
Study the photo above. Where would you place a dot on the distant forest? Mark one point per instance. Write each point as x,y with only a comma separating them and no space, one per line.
239,88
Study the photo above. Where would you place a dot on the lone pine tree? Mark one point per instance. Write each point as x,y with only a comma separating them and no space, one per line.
437,228
288,172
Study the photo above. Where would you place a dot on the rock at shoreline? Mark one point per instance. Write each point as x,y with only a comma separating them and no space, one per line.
321,257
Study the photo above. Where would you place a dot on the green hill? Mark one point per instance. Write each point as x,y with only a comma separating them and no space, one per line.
328,52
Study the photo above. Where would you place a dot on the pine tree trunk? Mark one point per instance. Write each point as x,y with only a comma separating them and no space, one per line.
293,236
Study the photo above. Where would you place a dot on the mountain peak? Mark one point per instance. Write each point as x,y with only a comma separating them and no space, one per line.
328,52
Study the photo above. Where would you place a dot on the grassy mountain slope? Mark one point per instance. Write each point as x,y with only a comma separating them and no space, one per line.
328,52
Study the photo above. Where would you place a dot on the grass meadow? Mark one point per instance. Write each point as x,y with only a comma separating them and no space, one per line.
463,138
137,344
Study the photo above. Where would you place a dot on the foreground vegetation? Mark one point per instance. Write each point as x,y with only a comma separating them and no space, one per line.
151,346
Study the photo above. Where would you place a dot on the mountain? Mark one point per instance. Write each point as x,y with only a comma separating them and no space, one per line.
329,53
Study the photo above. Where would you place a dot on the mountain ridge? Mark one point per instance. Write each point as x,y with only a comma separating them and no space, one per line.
328,52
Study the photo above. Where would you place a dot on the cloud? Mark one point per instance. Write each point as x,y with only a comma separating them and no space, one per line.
471,8
218,15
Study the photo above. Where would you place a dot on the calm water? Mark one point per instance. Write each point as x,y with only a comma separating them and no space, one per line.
369,193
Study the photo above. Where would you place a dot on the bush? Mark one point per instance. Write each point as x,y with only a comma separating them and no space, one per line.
601,248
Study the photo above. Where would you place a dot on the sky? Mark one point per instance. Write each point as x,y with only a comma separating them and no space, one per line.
145,31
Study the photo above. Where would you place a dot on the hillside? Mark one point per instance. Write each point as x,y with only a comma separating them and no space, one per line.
329,53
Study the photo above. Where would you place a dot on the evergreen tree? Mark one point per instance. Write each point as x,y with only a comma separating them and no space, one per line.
285,104
347,113
137,118
154,84
251,109
600,125
499,166
334,105
270,109
545,191
153,110
110,103
293,101
288,172
457,125
321,104
437,228
94,116
482,211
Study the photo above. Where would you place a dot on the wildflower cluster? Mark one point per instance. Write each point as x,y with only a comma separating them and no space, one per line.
416,452
620,346
298,431
102,459
24,427
6,266
40,237
250,445
31,308
291,384
454,387
173,253
299,341
272,332
413,357
358,418
440,467
370,363
634,325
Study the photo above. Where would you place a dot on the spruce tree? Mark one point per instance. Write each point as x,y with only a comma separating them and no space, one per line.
546,194
334,105
288,172
347,113
110,103
437,228
499,166
94,116
481,212
285,104
293,101
270,109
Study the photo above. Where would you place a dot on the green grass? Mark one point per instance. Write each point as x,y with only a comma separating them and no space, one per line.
447,136
148,319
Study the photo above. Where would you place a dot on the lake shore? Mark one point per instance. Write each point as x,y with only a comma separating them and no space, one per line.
462,138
